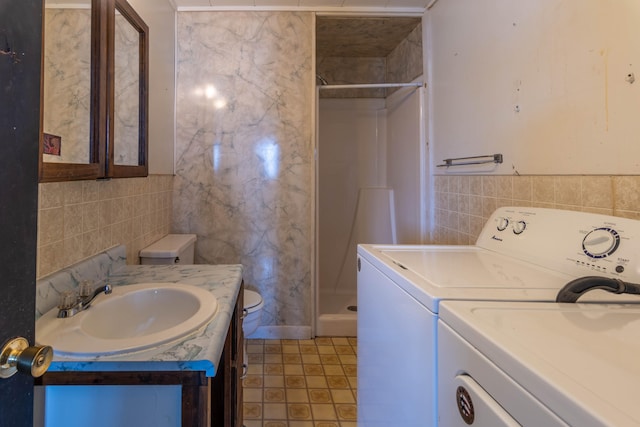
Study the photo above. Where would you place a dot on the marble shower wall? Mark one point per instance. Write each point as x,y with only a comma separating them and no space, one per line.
244,151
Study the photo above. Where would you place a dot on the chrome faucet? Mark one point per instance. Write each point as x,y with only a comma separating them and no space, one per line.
72,304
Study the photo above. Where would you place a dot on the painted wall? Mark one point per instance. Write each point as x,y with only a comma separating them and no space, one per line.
549,84
244,153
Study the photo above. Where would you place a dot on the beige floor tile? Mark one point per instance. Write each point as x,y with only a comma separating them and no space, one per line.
297,395
323,412
310,358
329,359
273,358
326,349
273,381
299,411
317,382
291,358
301,383
300,423
342,396
293,370
273,395
274,411
333,370
313,369
273,369
291,349
320,395
336,381
252,395
347,412
295,381
251,411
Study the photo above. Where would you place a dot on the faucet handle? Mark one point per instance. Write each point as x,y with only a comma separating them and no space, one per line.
68,299
85,288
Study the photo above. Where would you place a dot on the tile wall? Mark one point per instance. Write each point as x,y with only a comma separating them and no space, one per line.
462,204
79,219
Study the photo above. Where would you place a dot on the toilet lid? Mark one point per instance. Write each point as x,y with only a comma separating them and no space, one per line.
251,299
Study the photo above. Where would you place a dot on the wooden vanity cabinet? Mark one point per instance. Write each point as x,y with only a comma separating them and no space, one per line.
215,402
226,389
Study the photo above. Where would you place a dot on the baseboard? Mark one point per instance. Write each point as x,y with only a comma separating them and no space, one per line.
282,332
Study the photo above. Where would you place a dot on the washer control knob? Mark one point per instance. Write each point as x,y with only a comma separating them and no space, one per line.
519,227
503,223
601,242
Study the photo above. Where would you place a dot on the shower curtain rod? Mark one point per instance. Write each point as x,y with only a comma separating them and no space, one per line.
371,86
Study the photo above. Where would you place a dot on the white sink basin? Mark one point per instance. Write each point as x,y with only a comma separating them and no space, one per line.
131,318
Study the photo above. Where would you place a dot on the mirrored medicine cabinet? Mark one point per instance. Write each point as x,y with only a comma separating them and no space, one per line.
94,91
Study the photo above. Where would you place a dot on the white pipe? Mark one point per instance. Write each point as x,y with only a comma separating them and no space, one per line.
371,86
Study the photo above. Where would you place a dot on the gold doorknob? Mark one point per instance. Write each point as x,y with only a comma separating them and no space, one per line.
17,356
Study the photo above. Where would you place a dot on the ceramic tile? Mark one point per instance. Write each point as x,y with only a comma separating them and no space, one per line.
320,395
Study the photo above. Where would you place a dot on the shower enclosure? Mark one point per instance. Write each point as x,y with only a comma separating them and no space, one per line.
371,188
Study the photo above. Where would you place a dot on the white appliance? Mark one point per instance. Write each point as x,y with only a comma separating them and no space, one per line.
533,364
522,254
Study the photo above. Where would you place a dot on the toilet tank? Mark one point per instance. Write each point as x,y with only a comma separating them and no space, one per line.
171,249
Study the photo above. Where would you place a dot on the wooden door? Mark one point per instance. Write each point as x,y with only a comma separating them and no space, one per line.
20,64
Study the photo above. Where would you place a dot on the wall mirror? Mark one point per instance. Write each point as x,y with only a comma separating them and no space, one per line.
128,108
94,91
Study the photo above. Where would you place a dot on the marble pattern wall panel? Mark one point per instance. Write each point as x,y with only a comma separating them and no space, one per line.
244,150
67,82
404,63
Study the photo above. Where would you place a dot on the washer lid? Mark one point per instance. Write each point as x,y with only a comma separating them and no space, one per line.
251,299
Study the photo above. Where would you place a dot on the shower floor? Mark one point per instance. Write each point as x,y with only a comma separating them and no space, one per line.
335,318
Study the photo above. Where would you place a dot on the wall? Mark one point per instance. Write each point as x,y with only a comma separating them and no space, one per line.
79,219
545,83
244,153
159,15
464,203
352,154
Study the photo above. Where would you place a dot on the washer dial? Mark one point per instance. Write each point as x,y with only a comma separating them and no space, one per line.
601,242
519,227
503,223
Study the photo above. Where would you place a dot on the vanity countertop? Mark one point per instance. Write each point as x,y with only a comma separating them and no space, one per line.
199,352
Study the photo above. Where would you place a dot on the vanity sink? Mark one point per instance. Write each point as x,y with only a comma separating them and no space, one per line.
131,318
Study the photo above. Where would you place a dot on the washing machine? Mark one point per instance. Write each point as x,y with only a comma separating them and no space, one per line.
538,364
522,254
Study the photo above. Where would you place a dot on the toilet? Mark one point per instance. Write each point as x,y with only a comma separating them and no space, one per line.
171,249
180,249
253,304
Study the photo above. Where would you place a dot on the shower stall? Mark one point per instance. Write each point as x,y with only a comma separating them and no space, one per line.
371,188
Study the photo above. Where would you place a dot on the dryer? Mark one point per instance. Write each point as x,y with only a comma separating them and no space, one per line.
533,364
522,254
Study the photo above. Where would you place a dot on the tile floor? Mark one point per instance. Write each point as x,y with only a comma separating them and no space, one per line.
301,383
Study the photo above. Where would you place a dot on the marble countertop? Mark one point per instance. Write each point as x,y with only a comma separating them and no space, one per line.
198,352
